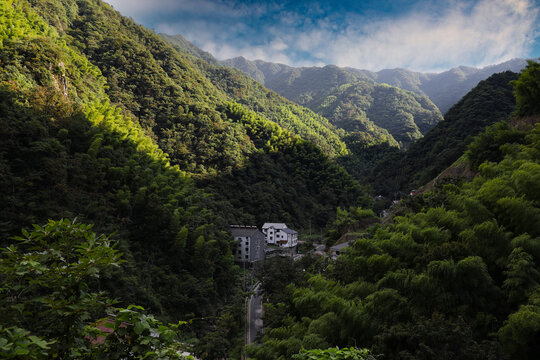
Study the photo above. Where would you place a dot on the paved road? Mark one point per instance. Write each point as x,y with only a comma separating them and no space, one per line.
255,323
320,247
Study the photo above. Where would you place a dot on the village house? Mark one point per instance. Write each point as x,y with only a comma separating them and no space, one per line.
250,243
279,234
337,250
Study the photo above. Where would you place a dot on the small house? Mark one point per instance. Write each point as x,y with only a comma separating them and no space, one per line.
279,234
337,250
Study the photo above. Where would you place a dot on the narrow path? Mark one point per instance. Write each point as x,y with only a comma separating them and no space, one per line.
254,315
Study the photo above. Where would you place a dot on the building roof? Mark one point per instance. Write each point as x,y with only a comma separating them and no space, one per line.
241,230
340,246
274,225
289,231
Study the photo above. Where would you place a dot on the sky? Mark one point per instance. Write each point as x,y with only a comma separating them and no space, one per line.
420,35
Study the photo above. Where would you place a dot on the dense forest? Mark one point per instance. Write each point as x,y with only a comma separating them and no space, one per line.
492,100
390,115
368,111
104,123
444,89
124,158
455,275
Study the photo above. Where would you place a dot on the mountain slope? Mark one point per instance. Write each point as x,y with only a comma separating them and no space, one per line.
444,89
329,91
299,120
456,276
490,101
67,152
95,109
404,115
188,47
175,102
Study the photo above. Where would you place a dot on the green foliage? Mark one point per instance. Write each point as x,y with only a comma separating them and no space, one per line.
184,105
374,113
125,184
16,343
489,102
334,353
291,179
102,120
487,145
519,334
384,112
296,119
438,281
522,276
444,89
48,286
45,281
527,90
131,331
352,220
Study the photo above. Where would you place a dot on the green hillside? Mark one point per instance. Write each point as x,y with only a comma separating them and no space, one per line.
75,155
446,88
359,106
170,96
290,116
454,276
188,47
490,101
351,101
104,122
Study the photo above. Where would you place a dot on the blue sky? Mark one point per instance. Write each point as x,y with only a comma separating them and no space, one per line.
422,35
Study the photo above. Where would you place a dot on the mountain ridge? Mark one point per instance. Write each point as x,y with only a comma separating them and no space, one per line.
462,78
404,116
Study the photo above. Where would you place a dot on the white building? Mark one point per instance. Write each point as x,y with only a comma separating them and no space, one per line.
249,243
279,234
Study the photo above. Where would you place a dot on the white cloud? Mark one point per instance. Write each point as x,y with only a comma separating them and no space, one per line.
432,37
492,31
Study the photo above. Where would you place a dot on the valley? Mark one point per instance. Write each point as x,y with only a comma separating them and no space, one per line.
126,156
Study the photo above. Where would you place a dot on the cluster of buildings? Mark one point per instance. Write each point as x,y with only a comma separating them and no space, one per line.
251,242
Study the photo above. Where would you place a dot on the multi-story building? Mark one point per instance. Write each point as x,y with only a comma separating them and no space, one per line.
250,243
279,234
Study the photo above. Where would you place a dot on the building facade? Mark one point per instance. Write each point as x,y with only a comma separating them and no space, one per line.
250,243
279,234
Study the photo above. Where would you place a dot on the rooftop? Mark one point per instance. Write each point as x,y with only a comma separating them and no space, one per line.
289,231
340,246
243,230
274,225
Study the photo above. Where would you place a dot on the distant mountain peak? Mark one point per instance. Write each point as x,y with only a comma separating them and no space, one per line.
444,88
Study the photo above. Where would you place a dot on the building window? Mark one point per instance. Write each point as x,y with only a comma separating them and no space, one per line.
247,249
246,256
239,251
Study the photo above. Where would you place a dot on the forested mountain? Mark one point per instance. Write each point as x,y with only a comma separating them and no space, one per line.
490,101
188,47
454,276
244,90
361,106
290,116
349,101
443,89
103,121
158,150
189,116
66,151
